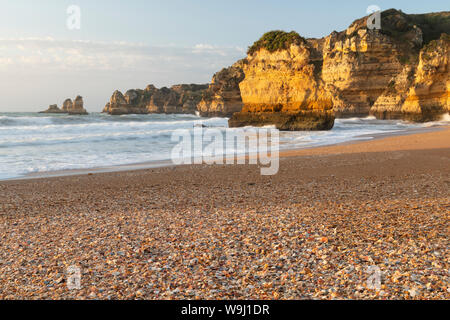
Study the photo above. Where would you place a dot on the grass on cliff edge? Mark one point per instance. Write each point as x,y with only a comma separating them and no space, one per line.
276,40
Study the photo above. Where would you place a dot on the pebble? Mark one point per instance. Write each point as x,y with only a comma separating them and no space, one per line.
204,233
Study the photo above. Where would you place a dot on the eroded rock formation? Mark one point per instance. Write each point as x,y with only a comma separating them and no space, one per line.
400,71
67,105
223,97
283,88
182,98
53,109
75,108
285,121
420,93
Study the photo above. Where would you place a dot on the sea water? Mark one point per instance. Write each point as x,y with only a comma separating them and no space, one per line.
36,143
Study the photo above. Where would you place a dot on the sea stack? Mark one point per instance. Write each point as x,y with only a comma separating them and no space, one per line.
77,107
67,105
74,108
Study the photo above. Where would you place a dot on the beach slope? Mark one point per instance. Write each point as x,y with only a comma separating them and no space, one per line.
226,232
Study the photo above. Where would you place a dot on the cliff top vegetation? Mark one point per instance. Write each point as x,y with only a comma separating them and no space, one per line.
276,40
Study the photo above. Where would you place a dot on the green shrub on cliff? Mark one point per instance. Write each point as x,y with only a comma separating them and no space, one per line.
276,40
397,24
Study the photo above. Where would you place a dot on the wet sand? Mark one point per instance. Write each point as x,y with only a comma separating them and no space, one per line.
226,232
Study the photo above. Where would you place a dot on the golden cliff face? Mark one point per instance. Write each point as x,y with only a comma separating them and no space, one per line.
421,91
357,68
283,81
430,89
284,88
223,97
400,71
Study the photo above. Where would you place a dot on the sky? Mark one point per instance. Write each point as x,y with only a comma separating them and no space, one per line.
123,44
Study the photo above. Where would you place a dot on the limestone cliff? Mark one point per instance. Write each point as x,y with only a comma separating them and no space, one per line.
283,87
357,68
430,92
399,71
223,97
177,99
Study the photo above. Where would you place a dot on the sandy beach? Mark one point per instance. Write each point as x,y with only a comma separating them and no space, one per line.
225,232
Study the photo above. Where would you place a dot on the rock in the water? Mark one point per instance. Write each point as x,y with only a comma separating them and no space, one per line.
400,71
77,107
120,105
53,109
285,121
67,105
74,108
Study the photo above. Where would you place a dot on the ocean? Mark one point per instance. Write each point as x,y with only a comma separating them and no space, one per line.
39,143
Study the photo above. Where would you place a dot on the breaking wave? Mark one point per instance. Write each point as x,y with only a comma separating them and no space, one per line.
31,142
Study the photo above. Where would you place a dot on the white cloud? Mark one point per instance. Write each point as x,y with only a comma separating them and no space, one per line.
216,50
50,70
50,55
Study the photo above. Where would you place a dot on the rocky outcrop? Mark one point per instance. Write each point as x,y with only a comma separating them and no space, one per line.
53,109
400,71
67,105
119,105
373,71
74,108
283,88
420,93
223,97
182,98
285,121
77,107
357,68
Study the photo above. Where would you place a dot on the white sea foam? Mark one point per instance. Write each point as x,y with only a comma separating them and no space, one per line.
41,142
445,120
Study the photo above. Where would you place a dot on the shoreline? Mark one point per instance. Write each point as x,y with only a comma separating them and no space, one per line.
169,163
226,232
